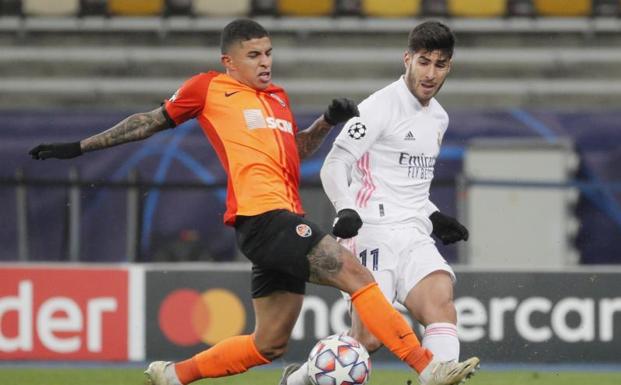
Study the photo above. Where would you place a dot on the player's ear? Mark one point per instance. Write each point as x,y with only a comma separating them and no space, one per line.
407,59
227,61
450,66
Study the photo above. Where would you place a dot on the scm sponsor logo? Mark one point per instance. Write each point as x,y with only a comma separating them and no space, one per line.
279,124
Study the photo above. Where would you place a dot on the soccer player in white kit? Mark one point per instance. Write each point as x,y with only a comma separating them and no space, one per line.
378,175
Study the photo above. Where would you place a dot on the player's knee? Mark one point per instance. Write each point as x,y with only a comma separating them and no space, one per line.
444,305
354,269
438,311
447,307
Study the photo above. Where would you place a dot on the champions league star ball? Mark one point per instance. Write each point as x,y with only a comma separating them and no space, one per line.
357,130
339,360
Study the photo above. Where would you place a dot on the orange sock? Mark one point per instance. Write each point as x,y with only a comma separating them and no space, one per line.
389,326
231,356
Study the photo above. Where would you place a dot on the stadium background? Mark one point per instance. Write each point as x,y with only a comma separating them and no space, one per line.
528,75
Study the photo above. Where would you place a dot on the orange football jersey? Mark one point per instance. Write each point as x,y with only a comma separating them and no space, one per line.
253,133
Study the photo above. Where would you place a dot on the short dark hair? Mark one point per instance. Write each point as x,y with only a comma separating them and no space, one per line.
240,30
430,36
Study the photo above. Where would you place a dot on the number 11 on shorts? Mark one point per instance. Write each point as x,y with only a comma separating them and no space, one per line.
374,258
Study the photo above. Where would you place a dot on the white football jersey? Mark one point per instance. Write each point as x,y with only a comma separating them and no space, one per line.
396,142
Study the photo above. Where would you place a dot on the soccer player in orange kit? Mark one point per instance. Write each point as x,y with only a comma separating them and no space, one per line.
248,121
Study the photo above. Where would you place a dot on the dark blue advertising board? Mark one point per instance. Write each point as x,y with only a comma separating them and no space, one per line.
534,317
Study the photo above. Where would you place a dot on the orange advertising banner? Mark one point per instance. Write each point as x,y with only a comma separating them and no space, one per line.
63,313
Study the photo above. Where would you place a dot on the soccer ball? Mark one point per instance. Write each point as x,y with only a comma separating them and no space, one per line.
357,130
339,360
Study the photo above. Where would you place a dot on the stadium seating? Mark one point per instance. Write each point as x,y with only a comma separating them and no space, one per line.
391,8
606,8
477,8
305,8
520,8
50,8
221,7
348,7
263,7
178,7
135,7
315,8
563,7
434,8
94,7
10,7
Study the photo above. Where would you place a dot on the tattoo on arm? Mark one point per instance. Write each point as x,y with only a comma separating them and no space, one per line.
325,261
135,127
309,140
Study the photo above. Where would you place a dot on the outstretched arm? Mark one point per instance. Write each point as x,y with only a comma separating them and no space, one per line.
309,140
135,127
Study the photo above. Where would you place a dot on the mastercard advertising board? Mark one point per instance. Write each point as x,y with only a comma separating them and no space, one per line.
558,315
189,310
192,310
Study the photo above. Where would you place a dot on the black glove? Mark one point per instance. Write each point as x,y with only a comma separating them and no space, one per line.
340,110
448,229
56,150
346,224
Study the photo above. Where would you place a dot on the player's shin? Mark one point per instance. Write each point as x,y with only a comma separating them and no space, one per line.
389,326
231,356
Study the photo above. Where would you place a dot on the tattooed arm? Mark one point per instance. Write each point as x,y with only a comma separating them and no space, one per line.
339,111
135,127
309,140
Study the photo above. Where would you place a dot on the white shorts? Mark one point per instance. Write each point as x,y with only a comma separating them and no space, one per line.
398,256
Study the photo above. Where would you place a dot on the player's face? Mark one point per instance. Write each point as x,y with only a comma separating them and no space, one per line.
425,73
250,62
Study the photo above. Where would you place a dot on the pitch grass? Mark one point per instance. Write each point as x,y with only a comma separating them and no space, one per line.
109,376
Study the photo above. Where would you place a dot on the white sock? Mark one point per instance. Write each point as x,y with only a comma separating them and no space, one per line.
300,376
441,339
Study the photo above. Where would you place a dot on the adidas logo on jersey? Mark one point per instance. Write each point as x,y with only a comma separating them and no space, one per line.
409,136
